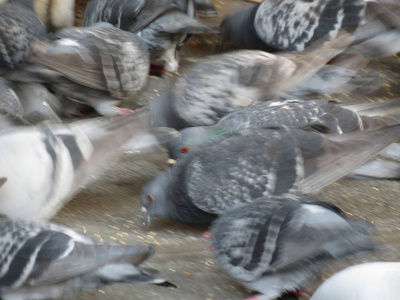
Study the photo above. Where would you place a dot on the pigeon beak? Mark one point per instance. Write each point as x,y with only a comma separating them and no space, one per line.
146,217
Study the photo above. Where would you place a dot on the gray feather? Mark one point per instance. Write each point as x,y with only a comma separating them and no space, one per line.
20,29
47,261
256,163
271,239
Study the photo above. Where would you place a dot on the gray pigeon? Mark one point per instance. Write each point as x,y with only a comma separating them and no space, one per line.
369,281
279,244
285,25
20,29
47,261
256,163
39,104
162,25
26,103
95,66
222,83
320,115
43,166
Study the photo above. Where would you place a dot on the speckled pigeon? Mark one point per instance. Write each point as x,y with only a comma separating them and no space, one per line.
293,25
161,24
255,163
222,83
20,29
280,244
320,115
368,281
44,166
26,103
47,261
95,66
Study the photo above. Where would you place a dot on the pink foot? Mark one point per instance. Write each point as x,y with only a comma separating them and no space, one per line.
125,111
252,298
206,234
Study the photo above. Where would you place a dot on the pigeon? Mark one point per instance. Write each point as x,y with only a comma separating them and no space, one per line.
162,25
368,281
318,115
20,29
292,26
222,83
97,66
41,260
39,104
255,163
280,244
44,166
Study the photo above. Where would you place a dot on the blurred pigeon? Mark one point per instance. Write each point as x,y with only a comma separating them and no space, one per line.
26,103
279,244
47,261
96,66
369,281
292,26
222,83
161,24
20,28
255,163
38,103
320,115
44,166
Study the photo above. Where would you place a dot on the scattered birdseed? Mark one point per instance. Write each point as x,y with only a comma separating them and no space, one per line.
209,263
375,188
113,238
140,237
172,270
102,292
97,235
122,242
129,221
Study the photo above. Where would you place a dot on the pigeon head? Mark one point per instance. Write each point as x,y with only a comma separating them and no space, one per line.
191,139
154,198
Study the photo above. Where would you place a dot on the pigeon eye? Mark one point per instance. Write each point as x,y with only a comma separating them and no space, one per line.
184,150
149,198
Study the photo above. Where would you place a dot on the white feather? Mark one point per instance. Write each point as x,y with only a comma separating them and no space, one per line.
370,281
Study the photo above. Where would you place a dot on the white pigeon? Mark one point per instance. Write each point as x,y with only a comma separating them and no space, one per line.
369,281
42,167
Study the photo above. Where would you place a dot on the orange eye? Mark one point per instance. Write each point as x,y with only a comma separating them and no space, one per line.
184,150
149,197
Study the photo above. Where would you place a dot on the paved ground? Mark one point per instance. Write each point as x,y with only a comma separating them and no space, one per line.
109,209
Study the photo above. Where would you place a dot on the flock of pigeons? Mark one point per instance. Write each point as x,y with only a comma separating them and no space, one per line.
247,154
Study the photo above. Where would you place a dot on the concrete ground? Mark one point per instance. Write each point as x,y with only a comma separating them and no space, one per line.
109,209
